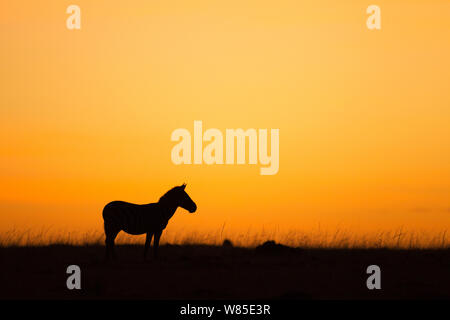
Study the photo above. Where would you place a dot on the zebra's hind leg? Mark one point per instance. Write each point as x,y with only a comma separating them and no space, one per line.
110,252
111,235
148,240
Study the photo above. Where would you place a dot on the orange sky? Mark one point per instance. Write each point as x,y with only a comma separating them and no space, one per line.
86,115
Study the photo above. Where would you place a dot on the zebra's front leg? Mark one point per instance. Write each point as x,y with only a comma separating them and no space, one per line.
148,240
156,243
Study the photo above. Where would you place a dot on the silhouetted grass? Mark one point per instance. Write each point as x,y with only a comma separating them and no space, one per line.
337,239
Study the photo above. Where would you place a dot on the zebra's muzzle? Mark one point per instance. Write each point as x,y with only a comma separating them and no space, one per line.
193,209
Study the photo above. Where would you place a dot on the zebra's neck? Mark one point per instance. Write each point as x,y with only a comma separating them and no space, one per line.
168,210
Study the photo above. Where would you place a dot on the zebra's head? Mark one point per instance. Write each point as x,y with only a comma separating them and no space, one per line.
177,196
184,200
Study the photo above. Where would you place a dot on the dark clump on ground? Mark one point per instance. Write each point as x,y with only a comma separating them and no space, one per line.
271,247
270,271
227,243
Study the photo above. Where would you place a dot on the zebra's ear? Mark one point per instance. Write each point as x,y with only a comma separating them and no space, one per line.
183,186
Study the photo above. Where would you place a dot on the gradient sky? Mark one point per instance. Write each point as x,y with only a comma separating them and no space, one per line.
86,115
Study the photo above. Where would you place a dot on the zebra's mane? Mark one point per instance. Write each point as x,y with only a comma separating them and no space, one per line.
169,195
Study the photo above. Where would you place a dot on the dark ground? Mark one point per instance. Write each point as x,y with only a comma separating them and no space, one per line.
209,272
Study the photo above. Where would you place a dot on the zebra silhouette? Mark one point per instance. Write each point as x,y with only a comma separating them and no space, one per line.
149,218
